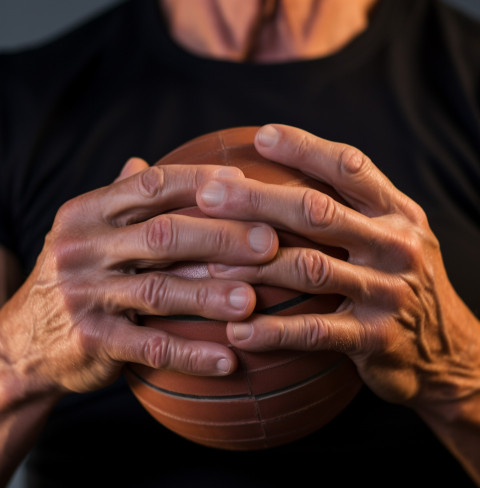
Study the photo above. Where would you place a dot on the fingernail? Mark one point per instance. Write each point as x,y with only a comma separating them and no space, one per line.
213,193
242,331
267,136
260,239
223,365
223,269
239,298
228,172
219,268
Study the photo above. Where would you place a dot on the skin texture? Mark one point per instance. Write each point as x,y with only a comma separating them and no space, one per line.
265,31
72,324
411,337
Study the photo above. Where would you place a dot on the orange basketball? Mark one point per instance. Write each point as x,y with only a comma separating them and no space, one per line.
275,397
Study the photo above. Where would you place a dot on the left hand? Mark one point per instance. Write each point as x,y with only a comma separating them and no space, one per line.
411,337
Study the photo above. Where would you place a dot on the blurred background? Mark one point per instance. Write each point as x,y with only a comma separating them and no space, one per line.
26,23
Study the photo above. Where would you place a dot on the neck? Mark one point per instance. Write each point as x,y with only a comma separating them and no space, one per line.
265,30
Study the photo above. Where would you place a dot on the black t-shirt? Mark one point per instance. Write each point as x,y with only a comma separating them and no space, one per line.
406,92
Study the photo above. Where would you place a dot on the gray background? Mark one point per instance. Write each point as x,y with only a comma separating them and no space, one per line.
27,22
24,23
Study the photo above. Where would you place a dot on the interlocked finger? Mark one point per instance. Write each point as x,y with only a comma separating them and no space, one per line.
150,192
344,167
158,293
303,211
169,238
157,349
340,332
310,271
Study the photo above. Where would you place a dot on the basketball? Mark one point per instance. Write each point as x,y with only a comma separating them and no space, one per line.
274,397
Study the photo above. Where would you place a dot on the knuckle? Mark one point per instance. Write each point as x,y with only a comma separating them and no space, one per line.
157,350
411,245
190,359
152,291
221,240
202,298
279,336
313,268
66,250
165,352
417,214
254,200
302,148
353,161
151,181
412,248
70,241
68,211
159,234
305,333
320,210
312,332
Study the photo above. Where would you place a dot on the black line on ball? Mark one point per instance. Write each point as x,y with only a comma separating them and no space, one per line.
273,309
220,398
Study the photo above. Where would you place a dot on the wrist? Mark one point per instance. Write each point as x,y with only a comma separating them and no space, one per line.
457,426
451,390
18,389
23,411
20,366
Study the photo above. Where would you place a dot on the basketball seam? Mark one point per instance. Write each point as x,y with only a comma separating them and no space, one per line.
228,398
258,412
270,420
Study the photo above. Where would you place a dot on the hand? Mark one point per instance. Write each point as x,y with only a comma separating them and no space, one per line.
411,337
71,326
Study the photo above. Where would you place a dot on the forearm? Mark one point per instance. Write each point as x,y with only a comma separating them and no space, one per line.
24,403
23,412
412,338
22,409
453,413
458,427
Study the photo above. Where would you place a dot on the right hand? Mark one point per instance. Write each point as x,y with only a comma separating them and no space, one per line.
71,326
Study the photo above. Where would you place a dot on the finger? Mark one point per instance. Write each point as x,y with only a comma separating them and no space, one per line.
157,293
340,332
169,238
131,167
344,167
308,271
303,211
157,349
155,190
